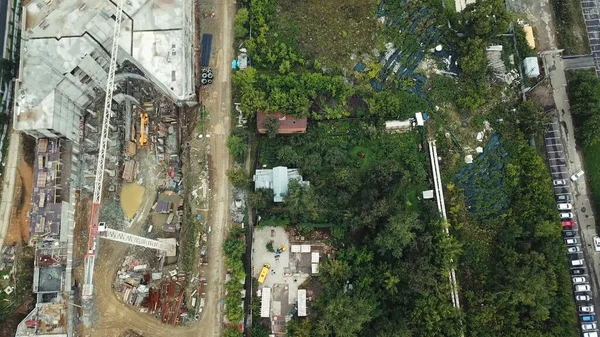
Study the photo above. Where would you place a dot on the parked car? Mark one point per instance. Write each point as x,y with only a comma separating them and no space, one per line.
577,175
559,182
570,242
578,263
563,198
567,224
583,298
588,318
566,215
573,249
579,279
588,326
590,334
569,234
564,207
577,271
586,309
597,243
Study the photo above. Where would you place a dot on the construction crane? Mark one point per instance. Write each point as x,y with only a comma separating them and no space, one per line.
99,229
90,257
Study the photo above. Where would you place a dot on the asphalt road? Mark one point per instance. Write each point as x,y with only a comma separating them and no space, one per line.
563,130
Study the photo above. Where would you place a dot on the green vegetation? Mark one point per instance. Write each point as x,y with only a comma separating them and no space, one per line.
237,147
270,247
572,32
328,31
240,22
389,274
188,244
235,248
584,95
238,178
513,271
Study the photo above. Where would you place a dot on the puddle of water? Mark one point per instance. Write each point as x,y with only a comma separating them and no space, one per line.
131,199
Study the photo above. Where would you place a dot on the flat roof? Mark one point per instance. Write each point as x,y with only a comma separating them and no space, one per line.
59,34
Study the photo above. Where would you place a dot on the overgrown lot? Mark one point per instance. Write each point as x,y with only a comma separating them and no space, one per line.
329,31
570,24
584,95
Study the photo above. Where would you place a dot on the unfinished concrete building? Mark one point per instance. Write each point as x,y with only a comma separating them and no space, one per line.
65,55
59,96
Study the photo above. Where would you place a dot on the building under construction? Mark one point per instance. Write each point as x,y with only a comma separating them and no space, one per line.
59,95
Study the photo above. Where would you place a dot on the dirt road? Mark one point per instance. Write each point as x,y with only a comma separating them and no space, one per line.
218,104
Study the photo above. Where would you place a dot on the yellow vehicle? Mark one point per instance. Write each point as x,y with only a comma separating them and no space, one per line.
264,272
143,127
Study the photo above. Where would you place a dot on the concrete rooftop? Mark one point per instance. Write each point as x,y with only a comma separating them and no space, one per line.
156,35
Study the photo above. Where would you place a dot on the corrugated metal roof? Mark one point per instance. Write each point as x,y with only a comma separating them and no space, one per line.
296,249
280,183
314,268
314,258
305,248
265,304
301,302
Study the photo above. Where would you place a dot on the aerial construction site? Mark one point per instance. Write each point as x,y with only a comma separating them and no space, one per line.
121,217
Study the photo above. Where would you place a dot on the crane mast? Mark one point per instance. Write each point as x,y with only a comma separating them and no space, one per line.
92,248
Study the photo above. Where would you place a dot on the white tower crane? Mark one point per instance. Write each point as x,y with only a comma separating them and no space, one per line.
98,229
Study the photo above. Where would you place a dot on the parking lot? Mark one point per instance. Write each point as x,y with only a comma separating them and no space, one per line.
580,241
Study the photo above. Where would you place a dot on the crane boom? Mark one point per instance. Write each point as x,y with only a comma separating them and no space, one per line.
90,257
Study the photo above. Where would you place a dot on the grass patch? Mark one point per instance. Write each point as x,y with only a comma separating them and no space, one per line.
591,159
572,33
329,31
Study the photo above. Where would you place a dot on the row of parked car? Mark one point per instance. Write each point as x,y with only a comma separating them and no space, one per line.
581,285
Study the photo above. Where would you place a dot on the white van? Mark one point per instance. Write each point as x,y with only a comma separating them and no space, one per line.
576,263
590,334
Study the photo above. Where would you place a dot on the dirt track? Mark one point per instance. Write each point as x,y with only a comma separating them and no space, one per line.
114,318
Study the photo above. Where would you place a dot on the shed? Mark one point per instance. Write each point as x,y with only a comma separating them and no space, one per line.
532,67
301,302
529,36
428,194
398,125
419,118
265,303
287,123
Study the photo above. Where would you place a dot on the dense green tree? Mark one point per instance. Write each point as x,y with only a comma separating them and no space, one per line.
345,315
232,331
238,177
301,203
240,22
533,121
272,126
397,234
237,147
485,19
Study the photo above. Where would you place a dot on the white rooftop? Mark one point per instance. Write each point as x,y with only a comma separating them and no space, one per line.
277,179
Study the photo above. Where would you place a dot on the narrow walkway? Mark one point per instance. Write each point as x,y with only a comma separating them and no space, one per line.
8,183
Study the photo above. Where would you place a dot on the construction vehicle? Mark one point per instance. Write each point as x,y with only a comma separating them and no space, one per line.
280,250
264,273
143,129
